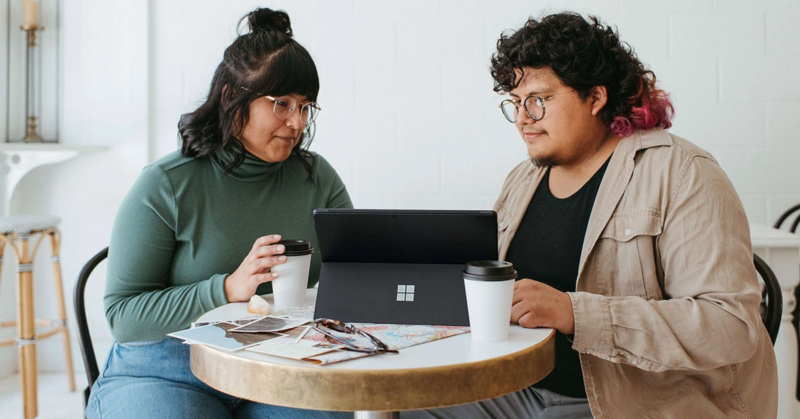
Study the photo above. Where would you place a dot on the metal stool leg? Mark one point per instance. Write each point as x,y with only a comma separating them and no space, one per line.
55,243
26,329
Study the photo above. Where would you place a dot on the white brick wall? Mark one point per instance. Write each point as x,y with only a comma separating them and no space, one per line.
410,119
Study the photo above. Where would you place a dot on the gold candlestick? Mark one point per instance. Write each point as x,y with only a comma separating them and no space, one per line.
31,135
31,132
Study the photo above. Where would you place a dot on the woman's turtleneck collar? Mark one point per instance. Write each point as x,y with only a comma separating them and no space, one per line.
252,168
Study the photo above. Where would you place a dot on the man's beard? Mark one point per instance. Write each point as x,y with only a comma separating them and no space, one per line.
548,161
545,162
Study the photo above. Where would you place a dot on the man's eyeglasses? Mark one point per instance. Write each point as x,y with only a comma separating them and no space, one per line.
353,338
284,106
534,107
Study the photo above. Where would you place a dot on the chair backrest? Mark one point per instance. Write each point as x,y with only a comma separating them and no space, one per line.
773,301
84,338
786,215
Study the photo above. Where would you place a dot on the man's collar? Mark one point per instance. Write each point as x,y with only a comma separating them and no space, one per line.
641,139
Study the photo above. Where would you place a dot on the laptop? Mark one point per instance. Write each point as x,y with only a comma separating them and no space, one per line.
399,266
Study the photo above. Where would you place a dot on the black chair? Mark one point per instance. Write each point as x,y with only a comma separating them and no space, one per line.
84,338
786,215
796,314
772,303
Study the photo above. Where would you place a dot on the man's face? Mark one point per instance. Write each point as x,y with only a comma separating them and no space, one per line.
568,125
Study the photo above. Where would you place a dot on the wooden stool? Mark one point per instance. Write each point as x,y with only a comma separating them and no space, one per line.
15,231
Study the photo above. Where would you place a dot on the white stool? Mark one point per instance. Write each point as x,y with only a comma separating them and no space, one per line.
16,231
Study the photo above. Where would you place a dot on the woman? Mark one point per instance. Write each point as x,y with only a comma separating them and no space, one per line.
200,227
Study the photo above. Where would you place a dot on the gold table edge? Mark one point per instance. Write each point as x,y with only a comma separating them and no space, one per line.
320,388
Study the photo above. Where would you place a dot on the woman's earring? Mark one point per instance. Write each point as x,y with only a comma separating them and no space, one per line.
308,133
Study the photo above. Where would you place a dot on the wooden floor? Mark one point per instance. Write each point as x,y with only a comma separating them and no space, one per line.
55,399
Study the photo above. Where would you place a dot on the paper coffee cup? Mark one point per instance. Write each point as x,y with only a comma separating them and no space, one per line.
289,288
490,291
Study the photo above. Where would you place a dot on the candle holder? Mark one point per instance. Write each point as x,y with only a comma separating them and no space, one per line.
32,133
32,62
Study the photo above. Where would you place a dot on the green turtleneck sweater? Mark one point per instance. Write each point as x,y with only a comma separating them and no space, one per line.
186,225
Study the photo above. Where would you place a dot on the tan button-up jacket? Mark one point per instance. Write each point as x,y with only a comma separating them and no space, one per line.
666,308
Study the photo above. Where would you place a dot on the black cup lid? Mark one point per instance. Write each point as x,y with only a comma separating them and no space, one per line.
296,247
489,270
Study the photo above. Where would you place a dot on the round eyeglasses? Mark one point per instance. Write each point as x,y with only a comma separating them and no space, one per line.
284,106
534,107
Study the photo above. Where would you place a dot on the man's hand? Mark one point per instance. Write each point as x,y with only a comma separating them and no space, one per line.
538,305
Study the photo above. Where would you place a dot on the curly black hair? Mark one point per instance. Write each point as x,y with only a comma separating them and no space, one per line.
264,61
585,54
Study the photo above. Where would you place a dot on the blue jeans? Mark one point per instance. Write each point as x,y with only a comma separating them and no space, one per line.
154,380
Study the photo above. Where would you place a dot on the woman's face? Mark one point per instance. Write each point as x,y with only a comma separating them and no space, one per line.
268,137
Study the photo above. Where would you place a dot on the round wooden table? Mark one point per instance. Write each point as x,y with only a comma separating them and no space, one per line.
442,373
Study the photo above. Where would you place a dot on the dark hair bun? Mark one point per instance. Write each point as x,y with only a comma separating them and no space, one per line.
268,20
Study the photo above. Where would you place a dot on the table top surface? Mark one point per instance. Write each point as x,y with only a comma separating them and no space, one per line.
454,350
445,372
766,236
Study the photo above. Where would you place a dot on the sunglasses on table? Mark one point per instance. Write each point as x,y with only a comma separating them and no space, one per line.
353,338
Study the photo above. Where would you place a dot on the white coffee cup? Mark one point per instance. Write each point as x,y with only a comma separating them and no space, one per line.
490,292
289,288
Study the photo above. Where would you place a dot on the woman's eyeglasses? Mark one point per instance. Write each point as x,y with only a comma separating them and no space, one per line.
284,106
353,338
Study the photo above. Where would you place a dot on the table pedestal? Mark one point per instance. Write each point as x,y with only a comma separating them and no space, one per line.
377,415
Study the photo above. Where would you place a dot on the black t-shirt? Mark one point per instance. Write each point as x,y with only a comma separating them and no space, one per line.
547,248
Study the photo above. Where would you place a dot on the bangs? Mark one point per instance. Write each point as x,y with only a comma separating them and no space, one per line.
290,70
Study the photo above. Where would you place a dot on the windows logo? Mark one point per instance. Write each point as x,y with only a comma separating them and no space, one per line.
405,293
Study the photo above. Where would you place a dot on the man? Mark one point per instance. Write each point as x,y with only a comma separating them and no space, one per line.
631,242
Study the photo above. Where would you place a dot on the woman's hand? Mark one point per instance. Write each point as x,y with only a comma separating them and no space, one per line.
255,269
538,305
